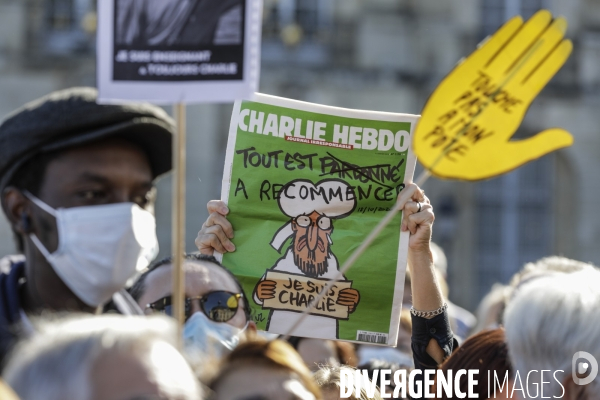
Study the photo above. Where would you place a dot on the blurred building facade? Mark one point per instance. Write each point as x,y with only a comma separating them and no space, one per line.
385,55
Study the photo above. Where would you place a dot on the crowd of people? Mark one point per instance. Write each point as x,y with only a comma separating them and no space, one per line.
84,310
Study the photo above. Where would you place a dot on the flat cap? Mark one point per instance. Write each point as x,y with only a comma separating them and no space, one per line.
71,117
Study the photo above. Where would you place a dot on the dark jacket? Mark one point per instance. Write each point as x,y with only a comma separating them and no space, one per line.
10,308
423,330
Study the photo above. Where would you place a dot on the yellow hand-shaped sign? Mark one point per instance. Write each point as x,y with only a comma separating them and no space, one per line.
467,123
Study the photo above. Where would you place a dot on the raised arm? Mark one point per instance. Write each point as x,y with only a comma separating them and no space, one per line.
432,338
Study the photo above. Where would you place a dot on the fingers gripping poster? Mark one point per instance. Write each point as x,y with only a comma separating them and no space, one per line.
305,185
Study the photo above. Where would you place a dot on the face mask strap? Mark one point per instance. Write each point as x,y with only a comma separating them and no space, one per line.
50,211
40,203
39,245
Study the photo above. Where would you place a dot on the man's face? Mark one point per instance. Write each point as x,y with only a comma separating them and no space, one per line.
201,278
104,172
311,243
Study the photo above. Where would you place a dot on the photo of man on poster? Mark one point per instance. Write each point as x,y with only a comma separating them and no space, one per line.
177,40
168,51
178,22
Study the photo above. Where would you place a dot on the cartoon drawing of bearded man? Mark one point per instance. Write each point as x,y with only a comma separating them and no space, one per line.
312,208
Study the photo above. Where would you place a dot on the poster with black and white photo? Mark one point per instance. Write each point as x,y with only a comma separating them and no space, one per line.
178,51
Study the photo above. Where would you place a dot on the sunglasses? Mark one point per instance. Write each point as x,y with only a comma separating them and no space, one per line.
218,306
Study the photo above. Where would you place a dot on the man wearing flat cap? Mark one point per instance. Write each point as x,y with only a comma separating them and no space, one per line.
76,180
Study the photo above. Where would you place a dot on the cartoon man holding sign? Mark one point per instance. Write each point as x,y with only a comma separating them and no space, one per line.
298,277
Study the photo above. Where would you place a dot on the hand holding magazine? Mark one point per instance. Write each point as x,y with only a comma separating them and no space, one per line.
305,184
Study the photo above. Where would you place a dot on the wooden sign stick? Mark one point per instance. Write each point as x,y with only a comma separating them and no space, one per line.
178,219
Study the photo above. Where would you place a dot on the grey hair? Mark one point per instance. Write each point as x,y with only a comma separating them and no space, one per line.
56,363
500,295
551,318
548,265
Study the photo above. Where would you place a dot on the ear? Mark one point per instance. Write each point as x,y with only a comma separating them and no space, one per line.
17,209
252,326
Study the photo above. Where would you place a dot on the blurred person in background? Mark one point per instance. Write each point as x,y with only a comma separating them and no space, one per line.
108,357
317,352
487,353
77,184
492,306
548,321
217,312
329,380
262,370
490,309
461,320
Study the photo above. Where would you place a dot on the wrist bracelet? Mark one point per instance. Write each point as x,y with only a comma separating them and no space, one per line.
427,314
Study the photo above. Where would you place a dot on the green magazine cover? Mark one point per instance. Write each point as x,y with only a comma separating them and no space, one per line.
305,184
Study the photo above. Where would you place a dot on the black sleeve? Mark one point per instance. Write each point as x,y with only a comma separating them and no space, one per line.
423,330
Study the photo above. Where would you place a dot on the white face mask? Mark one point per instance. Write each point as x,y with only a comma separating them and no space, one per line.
205,338
100,248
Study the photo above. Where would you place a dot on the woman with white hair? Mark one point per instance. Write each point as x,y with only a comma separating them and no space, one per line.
108,357
552,327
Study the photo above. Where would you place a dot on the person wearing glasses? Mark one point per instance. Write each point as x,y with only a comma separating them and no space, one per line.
216,307
210,288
